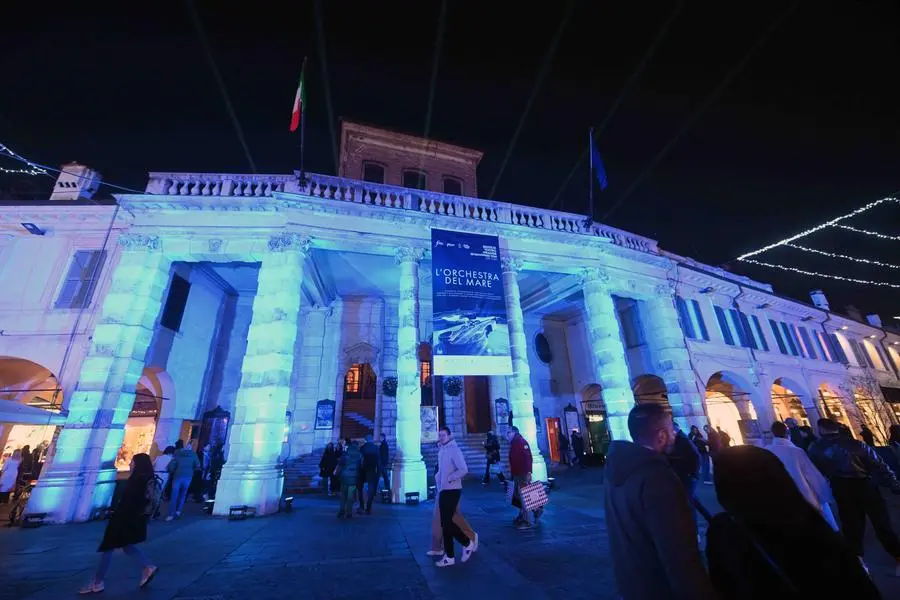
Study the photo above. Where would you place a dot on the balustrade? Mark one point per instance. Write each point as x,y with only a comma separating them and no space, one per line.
374,194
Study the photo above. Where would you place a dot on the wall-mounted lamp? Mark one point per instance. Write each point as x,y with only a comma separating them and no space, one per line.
873,336
33,229
844,328
806,318
707,290
764,305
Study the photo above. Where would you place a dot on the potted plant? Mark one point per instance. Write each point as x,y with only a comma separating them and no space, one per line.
389,387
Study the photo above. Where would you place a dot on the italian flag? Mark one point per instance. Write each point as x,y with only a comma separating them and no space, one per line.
299,100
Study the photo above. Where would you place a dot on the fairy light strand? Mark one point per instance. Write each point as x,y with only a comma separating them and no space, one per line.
843,256
895,238
826,275
819,227
32,169
21,171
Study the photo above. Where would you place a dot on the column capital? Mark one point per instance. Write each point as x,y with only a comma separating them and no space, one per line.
594,274
136,242
510,264
290,241
407,254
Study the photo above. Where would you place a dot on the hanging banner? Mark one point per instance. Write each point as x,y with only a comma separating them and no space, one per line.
471,336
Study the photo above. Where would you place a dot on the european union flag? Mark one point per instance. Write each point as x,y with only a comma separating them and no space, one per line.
597,165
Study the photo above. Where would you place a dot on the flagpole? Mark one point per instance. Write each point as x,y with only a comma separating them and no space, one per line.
591,175
303,109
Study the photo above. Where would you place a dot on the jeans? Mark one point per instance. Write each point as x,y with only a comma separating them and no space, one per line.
705,474
348,496
856,500
132,551
369,479
179,495
384,474
448,501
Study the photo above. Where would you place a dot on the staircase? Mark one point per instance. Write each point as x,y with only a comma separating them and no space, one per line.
301,472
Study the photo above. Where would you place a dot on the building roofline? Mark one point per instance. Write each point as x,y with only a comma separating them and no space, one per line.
416,142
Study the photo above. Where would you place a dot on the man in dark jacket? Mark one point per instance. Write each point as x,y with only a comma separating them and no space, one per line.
685,460
348,471
652,534
368,475
520,466
853,468
384,463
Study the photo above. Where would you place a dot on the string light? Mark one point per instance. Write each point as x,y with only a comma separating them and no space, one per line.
820,227
826,275
32,169
22,171
843,256
895,238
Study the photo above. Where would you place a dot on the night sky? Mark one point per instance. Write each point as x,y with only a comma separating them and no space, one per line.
808,130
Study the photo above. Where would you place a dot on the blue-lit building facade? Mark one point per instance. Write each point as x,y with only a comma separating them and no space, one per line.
266,312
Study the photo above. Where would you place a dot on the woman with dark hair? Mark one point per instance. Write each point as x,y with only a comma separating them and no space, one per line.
770,542
128,524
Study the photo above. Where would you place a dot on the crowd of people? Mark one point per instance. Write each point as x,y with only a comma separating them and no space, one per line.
793,521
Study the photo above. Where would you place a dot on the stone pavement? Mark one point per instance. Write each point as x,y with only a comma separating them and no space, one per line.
309,553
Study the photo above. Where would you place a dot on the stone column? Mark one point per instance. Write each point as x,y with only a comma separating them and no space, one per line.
409,474
80,477
521,397
253,474
307,372
607,351
671,360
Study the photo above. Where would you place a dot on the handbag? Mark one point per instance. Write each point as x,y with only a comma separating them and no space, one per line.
534,495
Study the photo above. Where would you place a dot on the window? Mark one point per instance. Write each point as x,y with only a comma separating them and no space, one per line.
759,332
351,380
176,302
425,379
807,341
861,357
822,344
701,325
687,326
796,339
84,273
787,338
723,325
631,326
742,325
373,172
453,186
837,349
778,339
414,179
542,348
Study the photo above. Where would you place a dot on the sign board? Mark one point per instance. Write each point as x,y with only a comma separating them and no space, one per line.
429,416
471,336
325,414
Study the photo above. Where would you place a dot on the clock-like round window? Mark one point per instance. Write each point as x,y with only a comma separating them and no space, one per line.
542,348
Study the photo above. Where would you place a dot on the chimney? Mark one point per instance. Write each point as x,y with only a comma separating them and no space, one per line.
874,320
819,299
76,182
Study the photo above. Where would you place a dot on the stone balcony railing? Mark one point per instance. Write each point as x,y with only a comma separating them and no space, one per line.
389,196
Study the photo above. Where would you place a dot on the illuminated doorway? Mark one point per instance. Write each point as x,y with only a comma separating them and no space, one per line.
787,403
730,409
358,407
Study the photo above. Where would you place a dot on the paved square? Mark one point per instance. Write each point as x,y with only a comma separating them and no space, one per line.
309,553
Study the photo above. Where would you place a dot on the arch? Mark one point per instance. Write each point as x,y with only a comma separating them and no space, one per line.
359,398
154,397
650,388
791,401
27,382
24,381
834,404
878,421
730,407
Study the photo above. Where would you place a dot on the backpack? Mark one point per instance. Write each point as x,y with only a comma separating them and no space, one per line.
153,494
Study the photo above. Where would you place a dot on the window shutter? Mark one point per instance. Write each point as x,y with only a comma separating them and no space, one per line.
686,325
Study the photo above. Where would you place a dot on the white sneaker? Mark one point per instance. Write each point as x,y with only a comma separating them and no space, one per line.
475,543
170,518
445,562
147,576
468,551
93,587
435,553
